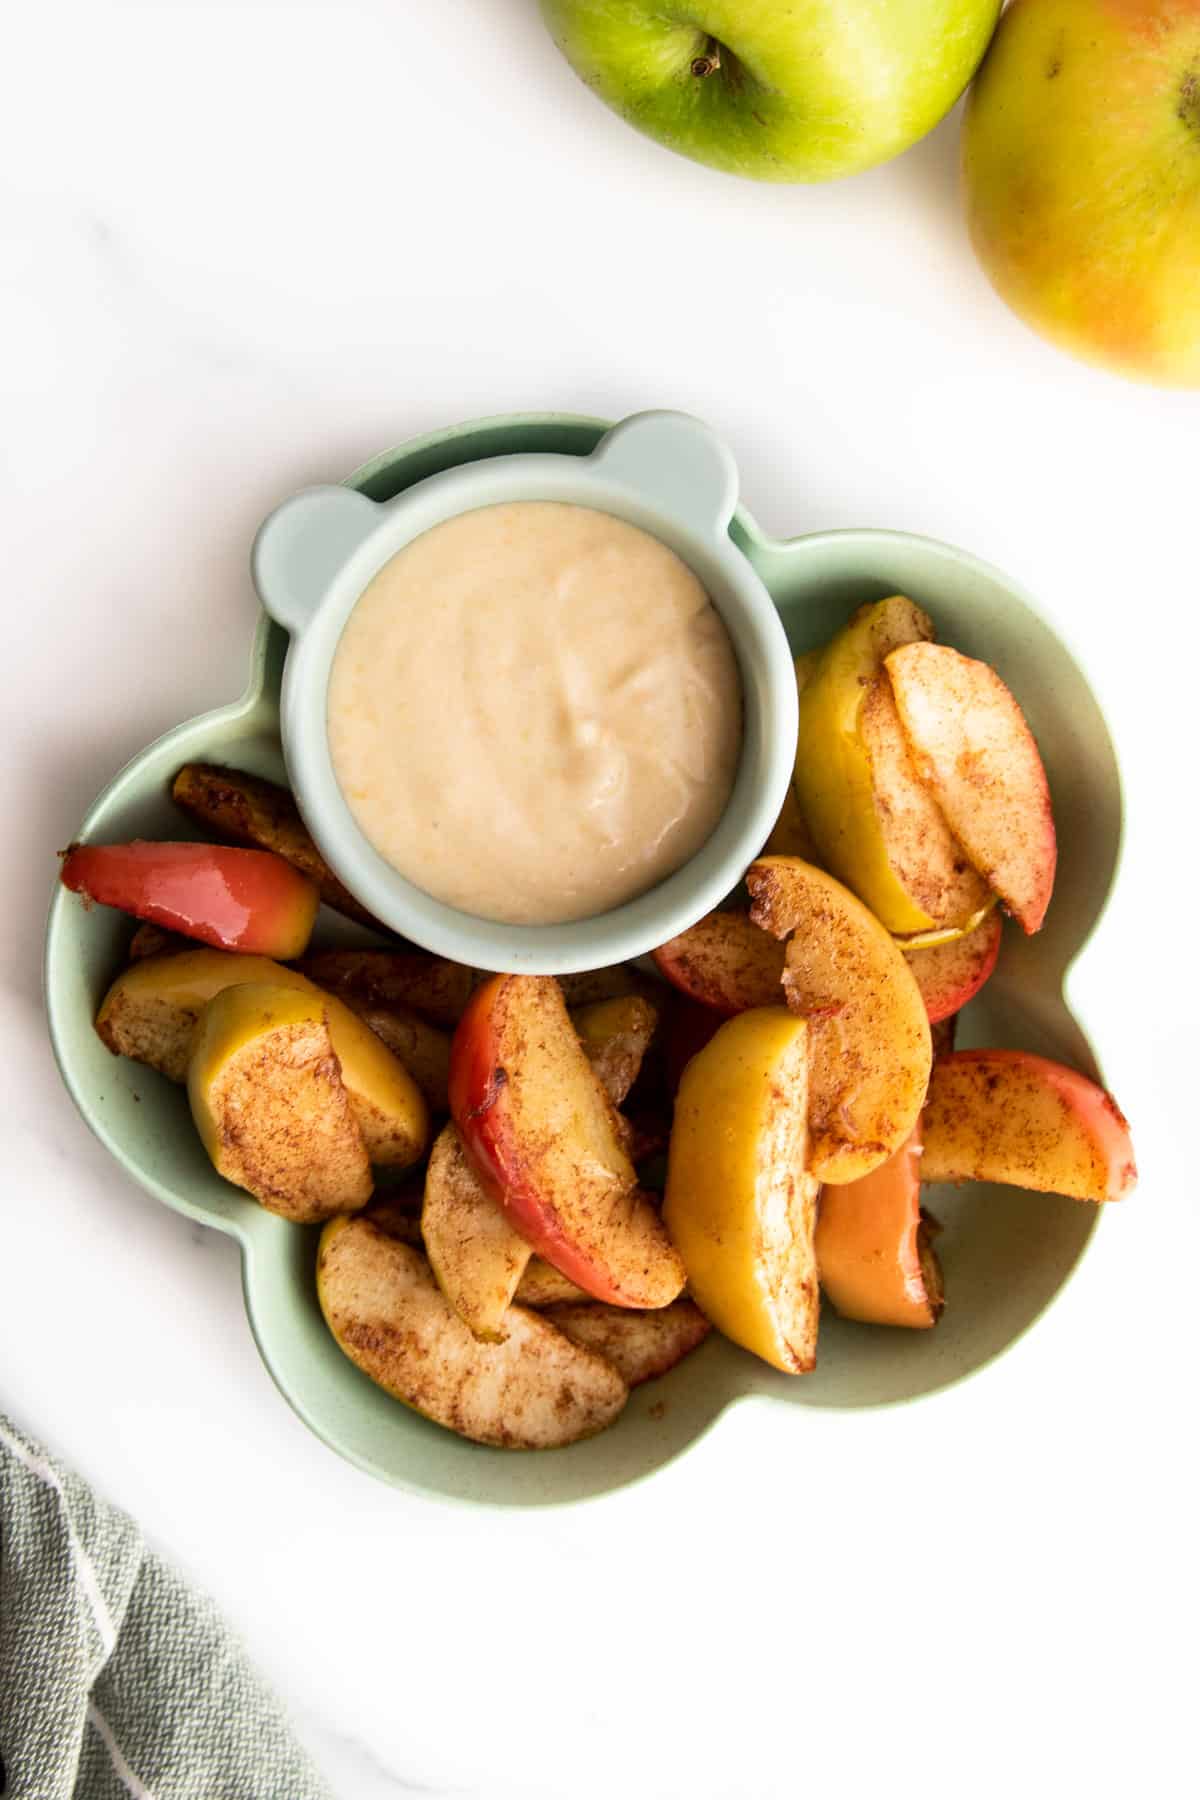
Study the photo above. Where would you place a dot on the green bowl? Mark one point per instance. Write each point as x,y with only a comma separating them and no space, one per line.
1006,1253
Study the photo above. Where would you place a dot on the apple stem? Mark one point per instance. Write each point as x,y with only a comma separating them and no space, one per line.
709,63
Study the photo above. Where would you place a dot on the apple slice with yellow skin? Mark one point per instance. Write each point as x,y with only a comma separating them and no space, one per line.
874,1254
641,1346
535,1391
974,750
725,962
872,822
547,1145
481,1261
790,835
945,934
542,1285
949,975
869,1043
739,1205
266,1093
151,1011
1011,1117
616,1035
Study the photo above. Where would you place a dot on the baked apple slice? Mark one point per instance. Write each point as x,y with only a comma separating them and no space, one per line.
725,962
616,1035
547,1144
482,1262
244,900
432,986
265,816
474,1249
869,1043
790,835
542,1285
421,1047
924,854
738,1204
535,1391
397,1211
150,1013
640,1345
874,1253
587,987
949,975
266,1092
872,821
974,750
1011,1117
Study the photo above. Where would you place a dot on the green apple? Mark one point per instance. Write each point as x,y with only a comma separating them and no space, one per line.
805,91
1081,154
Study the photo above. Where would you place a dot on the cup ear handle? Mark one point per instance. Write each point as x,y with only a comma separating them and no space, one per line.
301,546
675,460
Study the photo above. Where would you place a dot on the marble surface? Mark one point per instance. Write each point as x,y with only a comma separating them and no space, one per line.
244,246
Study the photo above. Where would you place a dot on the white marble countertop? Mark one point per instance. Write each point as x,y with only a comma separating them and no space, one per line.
244,246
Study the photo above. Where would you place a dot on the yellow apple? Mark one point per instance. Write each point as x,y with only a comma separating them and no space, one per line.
1081,155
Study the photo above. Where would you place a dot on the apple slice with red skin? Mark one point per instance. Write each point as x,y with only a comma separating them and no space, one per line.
482,1263
726,962
546,1143
874,1258
246,900
975,752
949,975
1011,1117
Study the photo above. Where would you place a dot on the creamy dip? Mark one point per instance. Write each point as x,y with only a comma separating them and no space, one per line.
535,713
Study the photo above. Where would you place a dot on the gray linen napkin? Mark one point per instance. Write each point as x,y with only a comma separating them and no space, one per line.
116,1678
